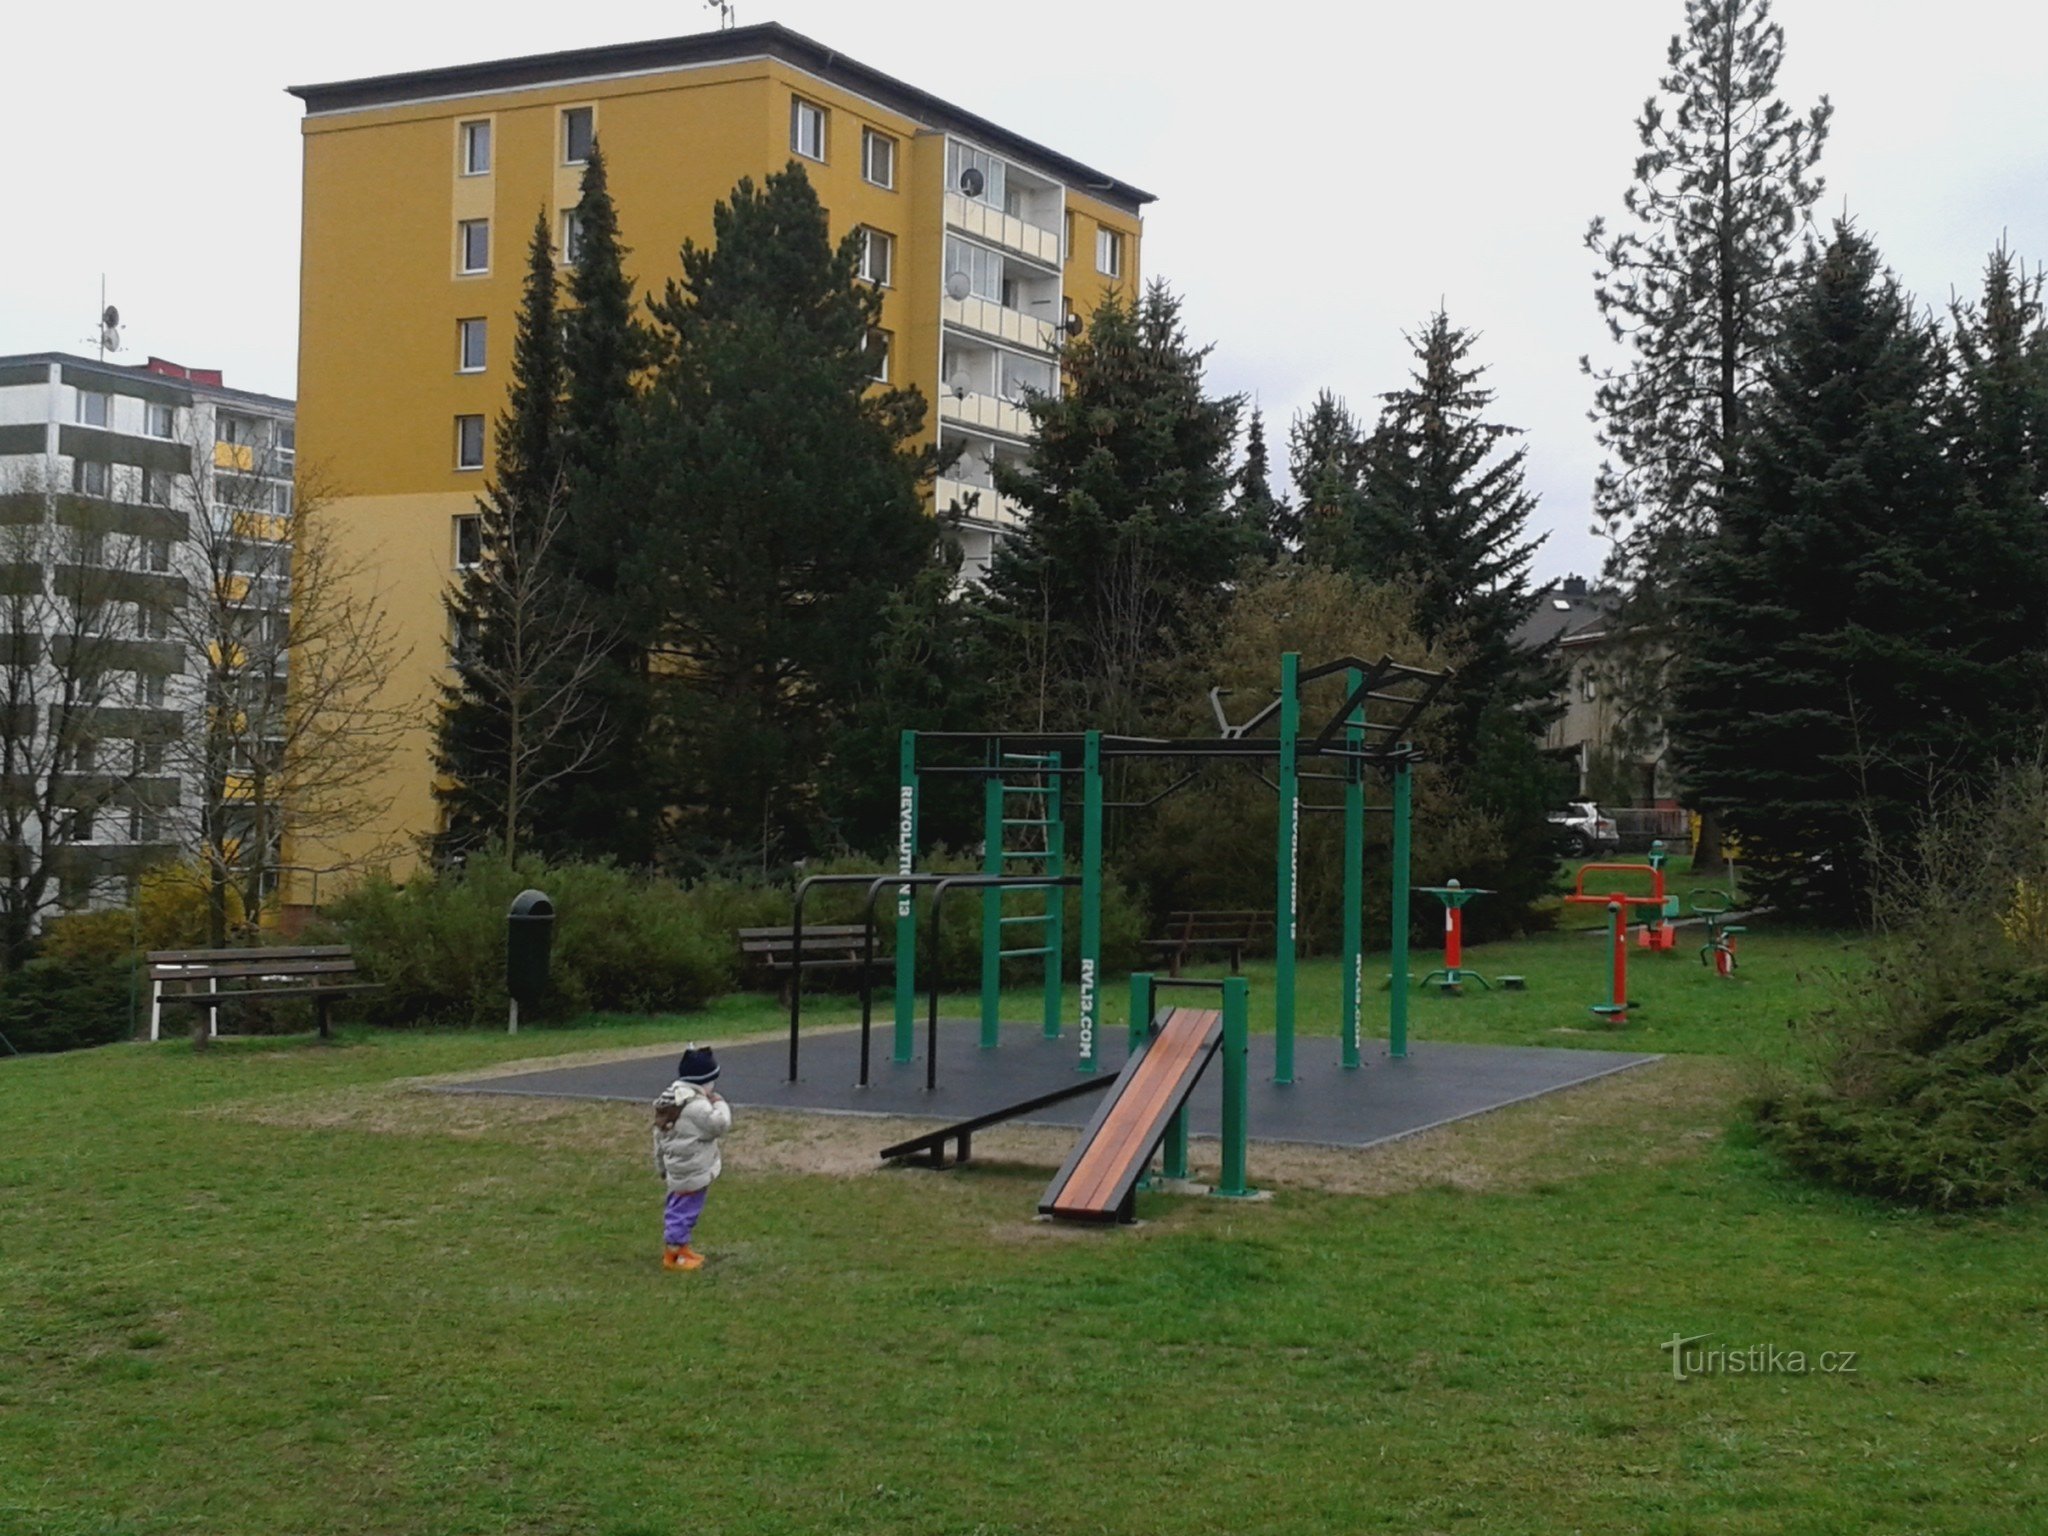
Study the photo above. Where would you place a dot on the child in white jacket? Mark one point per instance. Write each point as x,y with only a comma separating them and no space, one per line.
689,1118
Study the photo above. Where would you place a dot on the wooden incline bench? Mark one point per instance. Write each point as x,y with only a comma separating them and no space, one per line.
1189,932
1100,1177
317,971
827,947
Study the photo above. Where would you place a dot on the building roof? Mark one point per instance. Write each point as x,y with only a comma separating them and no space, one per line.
1565,611
765,40
146,380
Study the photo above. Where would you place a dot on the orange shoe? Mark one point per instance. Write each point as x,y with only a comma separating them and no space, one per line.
690,1258
672,1257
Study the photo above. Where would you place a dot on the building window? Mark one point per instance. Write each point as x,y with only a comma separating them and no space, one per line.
287,442
878,158
469,442
81,831
983,268
806,129
572,236
579,132
469,345
233,429
877,253
1109,252
281,499
1588,688
157,554
1067,237
476,148
149,689
469,541
158,420
156,488
149,756
878,355
142,827
92,408
152,622
475,244
89,478
977,174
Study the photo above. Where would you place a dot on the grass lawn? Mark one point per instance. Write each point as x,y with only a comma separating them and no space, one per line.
269,1289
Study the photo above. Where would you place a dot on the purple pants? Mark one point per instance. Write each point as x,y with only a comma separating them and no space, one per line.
679,1216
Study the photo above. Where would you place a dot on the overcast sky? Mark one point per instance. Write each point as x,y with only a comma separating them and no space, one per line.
1325,172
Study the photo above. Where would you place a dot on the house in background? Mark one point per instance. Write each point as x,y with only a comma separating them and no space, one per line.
1605,752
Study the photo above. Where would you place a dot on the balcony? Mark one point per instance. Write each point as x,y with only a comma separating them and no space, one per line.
976,218
987,318
991,510
985,413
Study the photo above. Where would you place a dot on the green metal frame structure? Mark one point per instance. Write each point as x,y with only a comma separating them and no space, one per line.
1369,731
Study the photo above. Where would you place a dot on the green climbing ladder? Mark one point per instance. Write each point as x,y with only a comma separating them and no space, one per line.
1022,834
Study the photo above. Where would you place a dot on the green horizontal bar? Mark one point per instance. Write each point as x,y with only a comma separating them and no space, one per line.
1020,954
1027,853
1026,821
1023,789
1029,917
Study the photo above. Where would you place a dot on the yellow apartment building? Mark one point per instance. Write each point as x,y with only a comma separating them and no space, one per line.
421,191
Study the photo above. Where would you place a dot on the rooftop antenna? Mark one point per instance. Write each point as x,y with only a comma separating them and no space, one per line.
724,9
107,334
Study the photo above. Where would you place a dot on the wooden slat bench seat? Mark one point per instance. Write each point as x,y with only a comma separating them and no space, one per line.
827,947
1100,1176
210,978
1190,933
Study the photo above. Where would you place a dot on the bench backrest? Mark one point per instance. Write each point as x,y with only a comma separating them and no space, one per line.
825,939
311,962
1197,926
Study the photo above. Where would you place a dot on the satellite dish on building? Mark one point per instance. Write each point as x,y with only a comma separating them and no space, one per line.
958,285
972,181
110,317
1073,324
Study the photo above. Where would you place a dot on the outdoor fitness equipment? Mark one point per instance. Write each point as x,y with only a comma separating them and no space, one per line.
1454,896
1719,950
1039,769
1617,902
1661,935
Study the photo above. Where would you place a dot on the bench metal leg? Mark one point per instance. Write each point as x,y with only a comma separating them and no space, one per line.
320,1014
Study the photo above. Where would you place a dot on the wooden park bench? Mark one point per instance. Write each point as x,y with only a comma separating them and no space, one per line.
827,947
210,978
1196,932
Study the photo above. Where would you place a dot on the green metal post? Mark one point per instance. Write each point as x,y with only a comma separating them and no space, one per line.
1236,1085
1397,991
1091,897
1288,862
1056,901
992,905
906,899
1354,877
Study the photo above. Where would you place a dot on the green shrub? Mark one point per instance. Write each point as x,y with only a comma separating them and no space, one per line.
1933,1085
67,1004
437,945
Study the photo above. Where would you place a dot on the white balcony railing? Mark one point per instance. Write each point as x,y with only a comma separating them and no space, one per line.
1006,230
992,319
986,412
991,510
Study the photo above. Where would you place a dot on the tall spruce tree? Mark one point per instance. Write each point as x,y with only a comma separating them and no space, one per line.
609,804
1326,460
779,492
474,755
1997,422
1830,679
1690,286
1444,512
1257,510
1131,538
